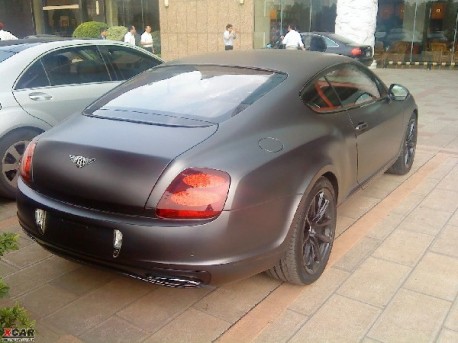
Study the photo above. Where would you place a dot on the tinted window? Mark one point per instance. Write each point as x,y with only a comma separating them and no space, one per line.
128,63
320,96
5,55
353,86
210,93
75,65
34,76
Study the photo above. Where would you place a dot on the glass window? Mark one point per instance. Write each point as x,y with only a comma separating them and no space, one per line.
353,86
209,93
127,62
5,55
34,76
75,65
320,96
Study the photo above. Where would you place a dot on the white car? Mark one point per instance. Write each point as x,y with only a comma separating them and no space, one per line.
45,81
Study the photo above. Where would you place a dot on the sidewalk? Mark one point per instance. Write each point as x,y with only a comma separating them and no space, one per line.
392,276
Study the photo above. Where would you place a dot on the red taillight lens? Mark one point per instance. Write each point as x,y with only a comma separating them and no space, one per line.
356,52
196,193
26,162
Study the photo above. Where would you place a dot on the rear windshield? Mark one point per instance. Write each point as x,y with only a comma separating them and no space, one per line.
197,92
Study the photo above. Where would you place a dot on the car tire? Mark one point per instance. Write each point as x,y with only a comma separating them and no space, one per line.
405,160
311,238
12,147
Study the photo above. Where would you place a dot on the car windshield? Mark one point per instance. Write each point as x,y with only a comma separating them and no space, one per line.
197,92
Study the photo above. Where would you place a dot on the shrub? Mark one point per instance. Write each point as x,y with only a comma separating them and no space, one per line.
89,29
16,316
117,33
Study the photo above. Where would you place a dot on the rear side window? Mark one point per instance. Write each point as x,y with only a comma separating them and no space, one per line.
5,55
34,76
76,65
128,62
202,92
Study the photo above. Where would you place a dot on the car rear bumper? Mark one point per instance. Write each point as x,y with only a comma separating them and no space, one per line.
236,245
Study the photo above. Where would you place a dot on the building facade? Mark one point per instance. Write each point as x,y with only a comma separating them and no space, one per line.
406,31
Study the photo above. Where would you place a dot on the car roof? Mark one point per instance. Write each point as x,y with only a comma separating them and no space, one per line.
301,63
52,42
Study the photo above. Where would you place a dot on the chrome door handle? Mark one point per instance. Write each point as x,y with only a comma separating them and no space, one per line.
361,127
38,96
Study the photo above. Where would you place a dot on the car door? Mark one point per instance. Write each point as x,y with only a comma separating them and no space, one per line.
377,125
62,82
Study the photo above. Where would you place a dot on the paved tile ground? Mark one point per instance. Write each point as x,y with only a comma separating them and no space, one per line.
392,276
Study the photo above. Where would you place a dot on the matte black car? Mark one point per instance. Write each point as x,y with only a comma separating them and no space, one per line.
214,168
337,44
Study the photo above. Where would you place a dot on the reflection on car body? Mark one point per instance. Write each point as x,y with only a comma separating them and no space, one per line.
219,170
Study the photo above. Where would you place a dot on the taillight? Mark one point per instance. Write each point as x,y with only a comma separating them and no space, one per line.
356,52
196,193
26,168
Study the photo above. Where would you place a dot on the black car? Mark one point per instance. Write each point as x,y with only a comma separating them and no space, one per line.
337,44
217,167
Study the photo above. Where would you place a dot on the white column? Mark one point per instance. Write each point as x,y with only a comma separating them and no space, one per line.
356,19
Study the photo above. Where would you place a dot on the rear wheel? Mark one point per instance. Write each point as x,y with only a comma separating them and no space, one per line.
405,160
12,147
313,231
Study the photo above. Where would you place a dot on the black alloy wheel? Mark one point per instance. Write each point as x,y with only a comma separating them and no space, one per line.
407,155
312,237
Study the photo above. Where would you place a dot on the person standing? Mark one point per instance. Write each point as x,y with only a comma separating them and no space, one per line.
129,37
6,35
146,39
292,40
103,33
228,37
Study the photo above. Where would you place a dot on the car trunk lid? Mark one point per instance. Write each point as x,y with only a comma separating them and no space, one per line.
110,164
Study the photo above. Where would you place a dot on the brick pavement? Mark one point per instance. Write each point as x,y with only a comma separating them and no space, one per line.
392,276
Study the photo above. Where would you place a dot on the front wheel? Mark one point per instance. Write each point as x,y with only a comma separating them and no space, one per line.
405,160
12,147
312,237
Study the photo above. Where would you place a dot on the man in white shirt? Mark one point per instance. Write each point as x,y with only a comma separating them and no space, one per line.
129,37
292,40
228,37
146,39
5,35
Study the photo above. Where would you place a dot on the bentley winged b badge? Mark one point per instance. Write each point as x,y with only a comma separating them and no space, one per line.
81,161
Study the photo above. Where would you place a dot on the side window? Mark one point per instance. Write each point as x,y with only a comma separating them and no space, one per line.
320,96
128,62
330,42
33,77
76,65
317,43
306,41
353,86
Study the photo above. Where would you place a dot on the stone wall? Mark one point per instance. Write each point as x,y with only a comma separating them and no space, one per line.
190,27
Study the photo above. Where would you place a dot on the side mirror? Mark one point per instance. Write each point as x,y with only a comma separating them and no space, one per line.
398,92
